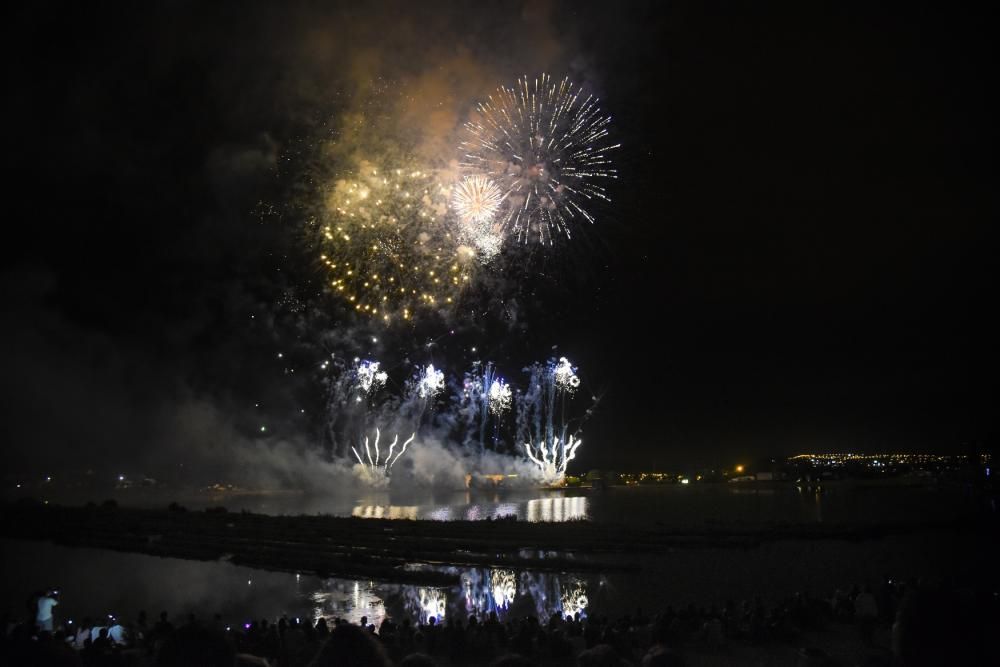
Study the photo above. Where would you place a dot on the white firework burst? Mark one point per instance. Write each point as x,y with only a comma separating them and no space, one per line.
431,382
499,397
546,146
552,457
565,377
369,377
476,199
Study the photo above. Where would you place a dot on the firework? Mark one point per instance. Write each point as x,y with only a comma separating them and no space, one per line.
552,457
431,382
476,199
546,147
481,403
376,467
499,397
543,425
386,247
564,375
352,395
368,377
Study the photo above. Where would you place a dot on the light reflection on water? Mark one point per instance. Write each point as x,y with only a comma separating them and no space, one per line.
96,582
385,511
503,592
348,599
672,504
557,509
539,509
481,591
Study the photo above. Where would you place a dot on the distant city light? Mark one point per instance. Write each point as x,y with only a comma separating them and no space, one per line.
881,460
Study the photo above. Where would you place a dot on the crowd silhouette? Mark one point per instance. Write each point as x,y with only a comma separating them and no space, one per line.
897,624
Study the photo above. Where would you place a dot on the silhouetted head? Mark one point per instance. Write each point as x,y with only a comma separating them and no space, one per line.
661,656
601,655
418,660
512,660
194,646
351,645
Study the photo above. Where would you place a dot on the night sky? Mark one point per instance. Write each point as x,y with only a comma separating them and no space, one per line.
798,256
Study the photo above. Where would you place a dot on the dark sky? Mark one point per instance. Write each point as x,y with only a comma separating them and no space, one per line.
798,256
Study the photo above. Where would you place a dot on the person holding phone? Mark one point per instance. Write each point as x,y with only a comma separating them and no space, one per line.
43,619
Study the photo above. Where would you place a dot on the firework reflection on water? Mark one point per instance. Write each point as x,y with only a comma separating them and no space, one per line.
551,509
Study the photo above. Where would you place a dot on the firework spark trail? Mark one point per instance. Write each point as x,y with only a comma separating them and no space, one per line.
350,399
552,458
542,424
546,149
483,395
420,394
378,469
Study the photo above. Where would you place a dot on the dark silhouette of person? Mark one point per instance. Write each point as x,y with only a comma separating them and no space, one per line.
512,660
351,645
195,646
